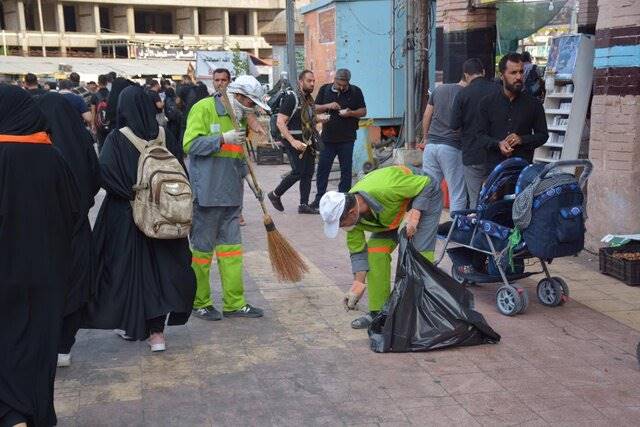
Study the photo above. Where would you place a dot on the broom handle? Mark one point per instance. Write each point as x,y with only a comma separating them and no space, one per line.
236,125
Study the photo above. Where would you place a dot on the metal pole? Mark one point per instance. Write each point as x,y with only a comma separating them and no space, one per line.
291,41
4,42
410,131
44,49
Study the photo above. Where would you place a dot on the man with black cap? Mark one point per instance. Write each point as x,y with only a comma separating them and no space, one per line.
345,105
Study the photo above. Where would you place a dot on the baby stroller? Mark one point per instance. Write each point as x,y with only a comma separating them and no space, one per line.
524,211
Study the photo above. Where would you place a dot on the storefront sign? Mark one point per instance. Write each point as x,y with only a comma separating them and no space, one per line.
161,53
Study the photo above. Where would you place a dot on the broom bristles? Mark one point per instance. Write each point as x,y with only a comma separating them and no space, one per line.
286,262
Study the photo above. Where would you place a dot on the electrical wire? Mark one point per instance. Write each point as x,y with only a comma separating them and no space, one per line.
363,26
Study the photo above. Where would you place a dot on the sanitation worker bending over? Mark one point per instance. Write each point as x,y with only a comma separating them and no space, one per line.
377,204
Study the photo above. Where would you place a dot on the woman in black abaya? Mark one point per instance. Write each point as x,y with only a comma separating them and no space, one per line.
39,210
140,280
117,86
76,145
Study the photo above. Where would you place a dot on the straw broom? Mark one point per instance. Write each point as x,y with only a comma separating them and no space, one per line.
286,263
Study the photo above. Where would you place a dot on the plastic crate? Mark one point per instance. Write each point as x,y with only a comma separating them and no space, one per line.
622,269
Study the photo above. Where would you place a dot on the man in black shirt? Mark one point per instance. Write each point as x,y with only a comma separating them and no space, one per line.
511,123
296,121
99,127
464,117
345,105
31,85
154,93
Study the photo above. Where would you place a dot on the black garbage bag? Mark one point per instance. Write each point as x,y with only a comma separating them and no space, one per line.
427,310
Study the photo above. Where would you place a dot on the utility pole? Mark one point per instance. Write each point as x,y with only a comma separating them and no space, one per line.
409,114
291,41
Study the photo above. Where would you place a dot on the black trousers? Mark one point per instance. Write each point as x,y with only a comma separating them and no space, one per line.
301,170
70,327
156,324
344,151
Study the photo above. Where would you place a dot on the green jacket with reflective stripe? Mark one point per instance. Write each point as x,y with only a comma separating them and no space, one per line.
216,170
389,192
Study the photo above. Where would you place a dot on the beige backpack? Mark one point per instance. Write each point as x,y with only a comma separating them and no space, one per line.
162,207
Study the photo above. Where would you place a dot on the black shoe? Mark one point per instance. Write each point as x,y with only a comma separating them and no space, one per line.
315,205
306,209
275,201
362,322
246,311
207,313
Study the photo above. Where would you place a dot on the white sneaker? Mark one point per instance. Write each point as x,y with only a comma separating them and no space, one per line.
64,360
156,342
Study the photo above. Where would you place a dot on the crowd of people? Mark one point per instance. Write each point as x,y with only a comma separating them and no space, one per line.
471,126
59,275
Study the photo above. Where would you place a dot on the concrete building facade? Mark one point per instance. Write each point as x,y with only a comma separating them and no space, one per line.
112,27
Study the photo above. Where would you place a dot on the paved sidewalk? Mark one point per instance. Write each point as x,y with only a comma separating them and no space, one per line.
303,365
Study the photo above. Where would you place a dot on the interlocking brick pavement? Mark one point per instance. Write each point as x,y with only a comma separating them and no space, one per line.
302,364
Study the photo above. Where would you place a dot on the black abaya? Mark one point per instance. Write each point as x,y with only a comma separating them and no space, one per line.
76,145
139,278
39,209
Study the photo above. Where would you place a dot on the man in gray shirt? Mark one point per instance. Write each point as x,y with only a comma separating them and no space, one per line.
442,156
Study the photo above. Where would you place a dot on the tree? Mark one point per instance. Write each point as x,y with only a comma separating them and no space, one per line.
239,61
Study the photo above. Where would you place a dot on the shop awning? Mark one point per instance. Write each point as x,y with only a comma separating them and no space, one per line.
90,68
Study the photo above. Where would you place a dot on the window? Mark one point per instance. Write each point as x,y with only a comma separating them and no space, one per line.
238,23
69,18
2,23
153,22
105,19
30,15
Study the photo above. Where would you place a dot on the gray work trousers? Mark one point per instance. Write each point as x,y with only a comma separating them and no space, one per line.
474,177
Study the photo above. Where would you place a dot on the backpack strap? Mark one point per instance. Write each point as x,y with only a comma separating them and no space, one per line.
140,143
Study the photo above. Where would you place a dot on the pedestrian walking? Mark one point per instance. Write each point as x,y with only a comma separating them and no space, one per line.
296,123
140,280
66,87
31,85
76,145
345,104
511,123
118,85
442,156
40,210
217,167
532,83
173,113
98,104
464,117
377,204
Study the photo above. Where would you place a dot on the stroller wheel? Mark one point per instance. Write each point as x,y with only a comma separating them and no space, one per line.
508,300
525,299
457,276
565,288
550,292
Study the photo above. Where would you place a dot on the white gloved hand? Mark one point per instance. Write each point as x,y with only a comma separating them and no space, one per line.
235,137
351,298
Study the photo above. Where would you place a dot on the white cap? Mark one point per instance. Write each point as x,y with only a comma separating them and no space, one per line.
250,87
331,208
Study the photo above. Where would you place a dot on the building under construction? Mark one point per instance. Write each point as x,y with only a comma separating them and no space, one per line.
122,29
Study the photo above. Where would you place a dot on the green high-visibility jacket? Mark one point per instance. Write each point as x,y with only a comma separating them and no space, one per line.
389,192
216,170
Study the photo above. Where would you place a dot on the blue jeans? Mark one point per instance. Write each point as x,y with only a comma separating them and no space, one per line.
344,151
444,161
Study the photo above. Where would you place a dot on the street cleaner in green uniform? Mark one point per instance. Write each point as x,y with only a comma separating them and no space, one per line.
378,204
217,167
